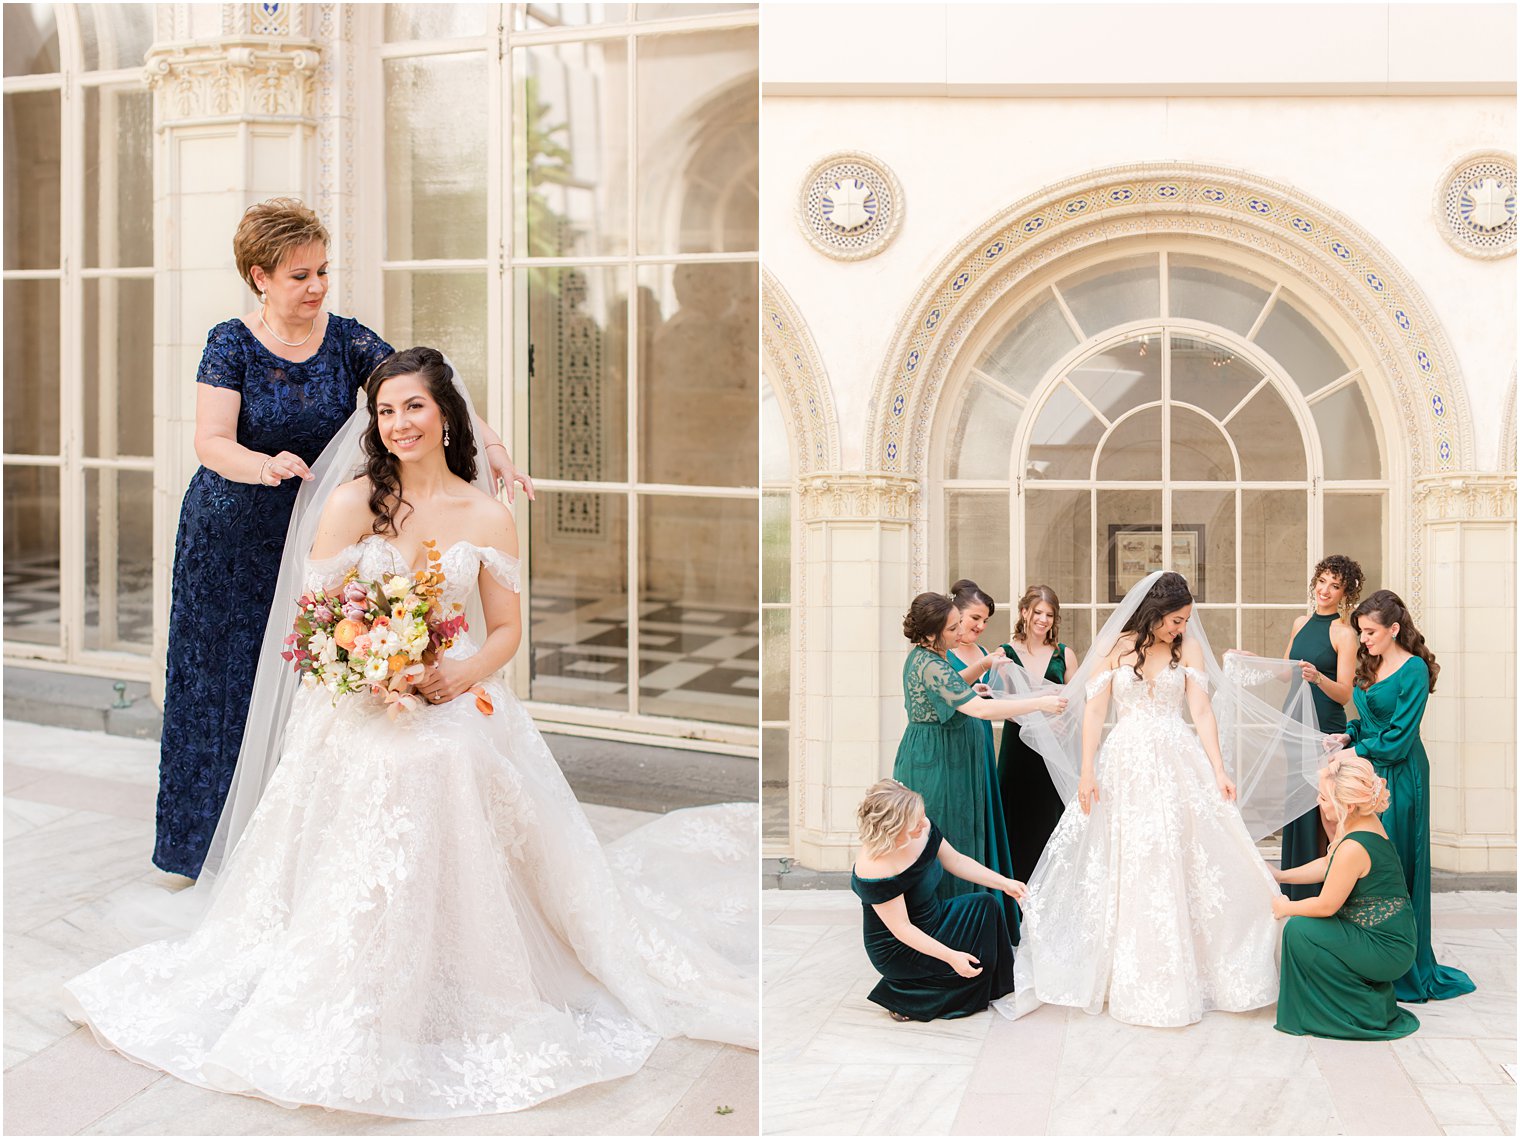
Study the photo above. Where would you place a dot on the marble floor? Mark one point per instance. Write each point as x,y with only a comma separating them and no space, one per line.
835,1064
79,826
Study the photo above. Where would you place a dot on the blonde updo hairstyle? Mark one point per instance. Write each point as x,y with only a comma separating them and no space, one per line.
888,809
270,232
1353,787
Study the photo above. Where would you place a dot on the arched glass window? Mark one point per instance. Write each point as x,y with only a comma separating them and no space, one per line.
1166,409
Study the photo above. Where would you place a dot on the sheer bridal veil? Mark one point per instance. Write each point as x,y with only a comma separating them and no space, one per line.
1269,735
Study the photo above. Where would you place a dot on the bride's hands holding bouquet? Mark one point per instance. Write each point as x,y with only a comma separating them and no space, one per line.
446,680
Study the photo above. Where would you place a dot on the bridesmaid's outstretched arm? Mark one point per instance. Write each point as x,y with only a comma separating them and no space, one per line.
1352,862
968,869
1392,743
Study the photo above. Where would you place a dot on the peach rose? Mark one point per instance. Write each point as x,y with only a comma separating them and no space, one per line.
348,631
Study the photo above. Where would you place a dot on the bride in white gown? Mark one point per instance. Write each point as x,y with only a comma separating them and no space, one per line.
417,919
1151,895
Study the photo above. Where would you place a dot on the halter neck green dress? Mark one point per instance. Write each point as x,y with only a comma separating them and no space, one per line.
1338,972
921,987
1388,734
1031,805
1301,837
943,757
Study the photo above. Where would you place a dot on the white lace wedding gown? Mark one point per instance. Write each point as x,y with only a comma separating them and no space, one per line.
1158,902
419,922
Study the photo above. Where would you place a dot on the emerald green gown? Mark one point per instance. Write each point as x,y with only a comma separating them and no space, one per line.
1031,805
1338,972
1388,734
943,756
998,857
1301,837
921,987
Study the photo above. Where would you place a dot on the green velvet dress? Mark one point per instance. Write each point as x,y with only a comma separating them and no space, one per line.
1301,837
1338,972
998,857
942,756
1031,805
921,987
1388,734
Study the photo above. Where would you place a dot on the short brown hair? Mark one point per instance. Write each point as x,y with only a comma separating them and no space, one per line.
270,231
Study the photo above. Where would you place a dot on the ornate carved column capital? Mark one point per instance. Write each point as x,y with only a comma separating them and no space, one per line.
856,496
1472,496
234,78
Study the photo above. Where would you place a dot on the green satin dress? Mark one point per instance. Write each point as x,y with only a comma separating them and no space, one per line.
1338,972
1301,837
921,987
1388,734
998,857
1031,805
943,757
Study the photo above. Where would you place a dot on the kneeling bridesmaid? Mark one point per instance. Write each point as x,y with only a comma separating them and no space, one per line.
1342,951
936,958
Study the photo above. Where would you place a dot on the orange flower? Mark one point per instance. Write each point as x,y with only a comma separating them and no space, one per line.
398,662
348,631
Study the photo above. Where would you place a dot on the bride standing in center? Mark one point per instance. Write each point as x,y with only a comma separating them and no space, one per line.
1151,895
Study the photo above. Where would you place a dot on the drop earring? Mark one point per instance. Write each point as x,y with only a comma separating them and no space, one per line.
445,434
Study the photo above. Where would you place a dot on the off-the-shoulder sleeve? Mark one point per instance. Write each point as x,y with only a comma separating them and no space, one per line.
326,573
1098,681
223,362
506,569
366,348
876,891
1197,676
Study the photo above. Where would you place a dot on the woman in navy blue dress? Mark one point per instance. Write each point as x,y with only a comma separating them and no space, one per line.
274,387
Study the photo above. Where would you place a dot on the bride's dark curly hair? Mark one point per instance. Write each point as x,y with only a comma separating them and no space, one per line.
382,468
1169,594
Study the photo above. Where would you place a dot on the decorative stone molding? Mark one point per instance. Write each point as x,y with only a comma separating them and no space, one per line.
234,78
798,374
1475,204
1466,497
336,176
854,496
850,206
1506,455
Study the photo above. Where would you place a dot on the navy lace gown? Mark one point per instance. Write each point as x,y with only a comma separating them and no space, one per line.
226,560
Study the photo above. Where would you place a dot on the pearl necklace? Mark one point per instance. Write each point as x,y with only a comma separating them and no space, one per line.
281,339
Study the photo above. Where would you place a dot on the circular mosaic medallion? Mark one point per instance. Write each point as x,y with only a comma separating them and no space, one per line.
1475,204
850,206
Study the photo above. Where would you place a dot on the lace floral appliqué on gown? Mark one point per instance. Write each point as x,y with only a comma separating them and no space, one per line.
420,922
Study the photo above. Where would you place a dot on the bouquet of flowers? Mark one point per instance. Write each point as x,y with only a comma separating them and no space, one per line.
377,637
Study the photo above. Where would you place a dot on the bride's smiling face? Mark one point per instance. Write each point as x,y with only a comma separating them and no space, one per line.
1170,627
408,418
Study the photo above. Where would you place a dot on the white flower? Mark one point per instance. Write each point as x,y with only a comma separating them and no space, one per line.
331,682
397,586
318,644
376,669
309,679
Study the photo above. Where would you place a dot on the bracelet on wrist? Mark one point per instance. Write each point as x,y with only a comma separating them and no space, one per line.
503,446
264,469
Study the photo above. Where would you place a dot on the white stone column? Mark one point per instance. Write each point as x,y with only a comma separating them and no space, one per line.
854,588
1469,622
233,105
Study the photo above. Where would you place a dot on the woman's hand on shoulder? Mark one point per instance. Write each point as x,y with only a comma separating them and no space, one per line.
345,520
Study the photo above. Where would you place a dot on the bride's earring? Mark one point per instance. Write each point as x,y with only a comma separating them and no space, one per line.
445,434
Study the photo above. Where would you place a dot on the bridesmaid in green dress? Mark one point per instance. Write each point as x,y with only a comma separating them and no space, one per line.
936,959
1325,641
1031,804
972,662
1395,674
941,753
1343,950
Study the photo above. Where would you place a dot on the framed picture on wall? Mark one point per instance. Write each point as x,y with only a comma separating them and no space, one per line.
1138,549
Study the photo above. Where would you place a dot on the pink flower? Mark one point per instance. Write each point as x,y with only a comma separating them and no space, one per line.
353,611
355,593
323,615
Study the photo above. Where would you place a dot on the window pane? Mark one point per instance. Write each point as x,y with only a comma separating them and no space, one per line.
1274,546
1199,449
438,21
118,556
32,592
435,162
446,311
32,191
1209,376
699,142
566,15
571,148
1114,292
31,42
577,338
698,395
1058,543
1203,542
1267,631
775,449
1129,525
1208,290
1268,438
114,35
699,639
775,772
1304,352
1133,449
1121,378
1020,357
118,367
1219,627
118,177
578,626
976,547
1061,445
981,443
776,546
775,697
1354,527
1347,436
31,367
